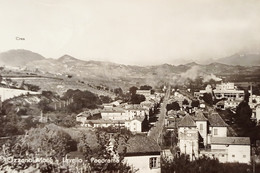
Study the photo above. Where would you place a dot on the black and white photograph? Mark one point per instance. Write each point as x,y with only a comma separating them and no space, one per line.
129,86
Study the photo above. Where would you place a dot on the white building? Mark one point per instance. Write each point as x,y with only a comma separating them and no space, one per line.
257,113
147,93
223,90
142,154
134,125
231,149
188,136
115,113
213,130
228,90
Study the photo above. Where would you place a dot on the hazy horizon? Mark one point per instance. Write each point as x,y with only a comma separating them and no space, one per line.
132,32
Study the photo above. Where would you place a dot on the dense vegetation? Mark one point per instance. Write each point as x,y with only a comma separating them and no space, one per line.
183,164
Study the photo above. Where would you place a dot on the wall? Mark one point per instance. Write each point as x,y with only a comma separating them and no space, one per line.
222,131
239,151
203,132
135,126
115,116
257,115
142,163
189,142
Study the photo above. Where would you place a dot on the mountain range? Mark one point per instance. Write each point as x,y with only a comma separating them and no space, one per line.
118,73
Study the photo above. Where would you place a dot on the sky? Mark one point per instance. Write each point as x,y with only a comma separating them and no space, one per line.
136,32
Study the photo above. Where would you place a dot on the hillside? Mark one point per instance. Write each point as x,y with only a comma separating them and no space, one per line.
118,75
18,57
247,59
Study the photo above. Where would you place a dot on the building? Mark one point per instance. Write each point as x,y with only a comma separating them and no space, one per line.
207,135
223,90
202,126
188,137
228,90
134,125
217,126
142,154
257,113
115,113
135,110
103,123
230,149
146,93
232,104
189,143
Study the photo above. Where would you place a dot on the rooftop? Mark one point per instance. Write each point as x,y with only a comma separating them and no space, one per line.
140,145
187,121
231,140
102,121
199,116
215,120
113,109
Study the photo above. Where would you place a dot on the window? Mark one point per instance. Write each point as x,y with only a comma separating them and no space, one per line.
223,155
201,126
233,155
153,162
244,156
215,131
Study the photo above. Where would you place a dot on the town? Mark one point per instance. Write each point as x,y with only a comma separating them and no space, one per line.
141,129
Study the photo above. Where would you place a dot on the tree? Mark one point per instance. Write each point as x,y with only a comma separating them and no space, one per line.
49,141
81,99
105,99
243,114
137,98
104,151
145,124
118,91
173,106
185,102
44,105
207,97
132,90
195,103
145,87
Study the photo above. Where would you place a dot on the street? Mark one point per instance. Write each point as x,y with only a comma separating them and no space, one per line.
156,131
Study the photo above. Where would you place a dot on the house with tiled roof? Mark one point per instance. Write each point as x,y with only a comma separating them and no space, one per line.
217,126
213,130
142,154
230,149
188,136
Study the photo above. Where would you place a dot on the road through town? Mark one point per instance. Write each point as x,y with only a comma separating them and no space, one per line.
156,131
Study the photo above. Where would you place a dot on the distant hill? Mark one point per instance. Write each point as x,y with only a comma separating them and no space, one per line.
114,75
18,57
247,59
